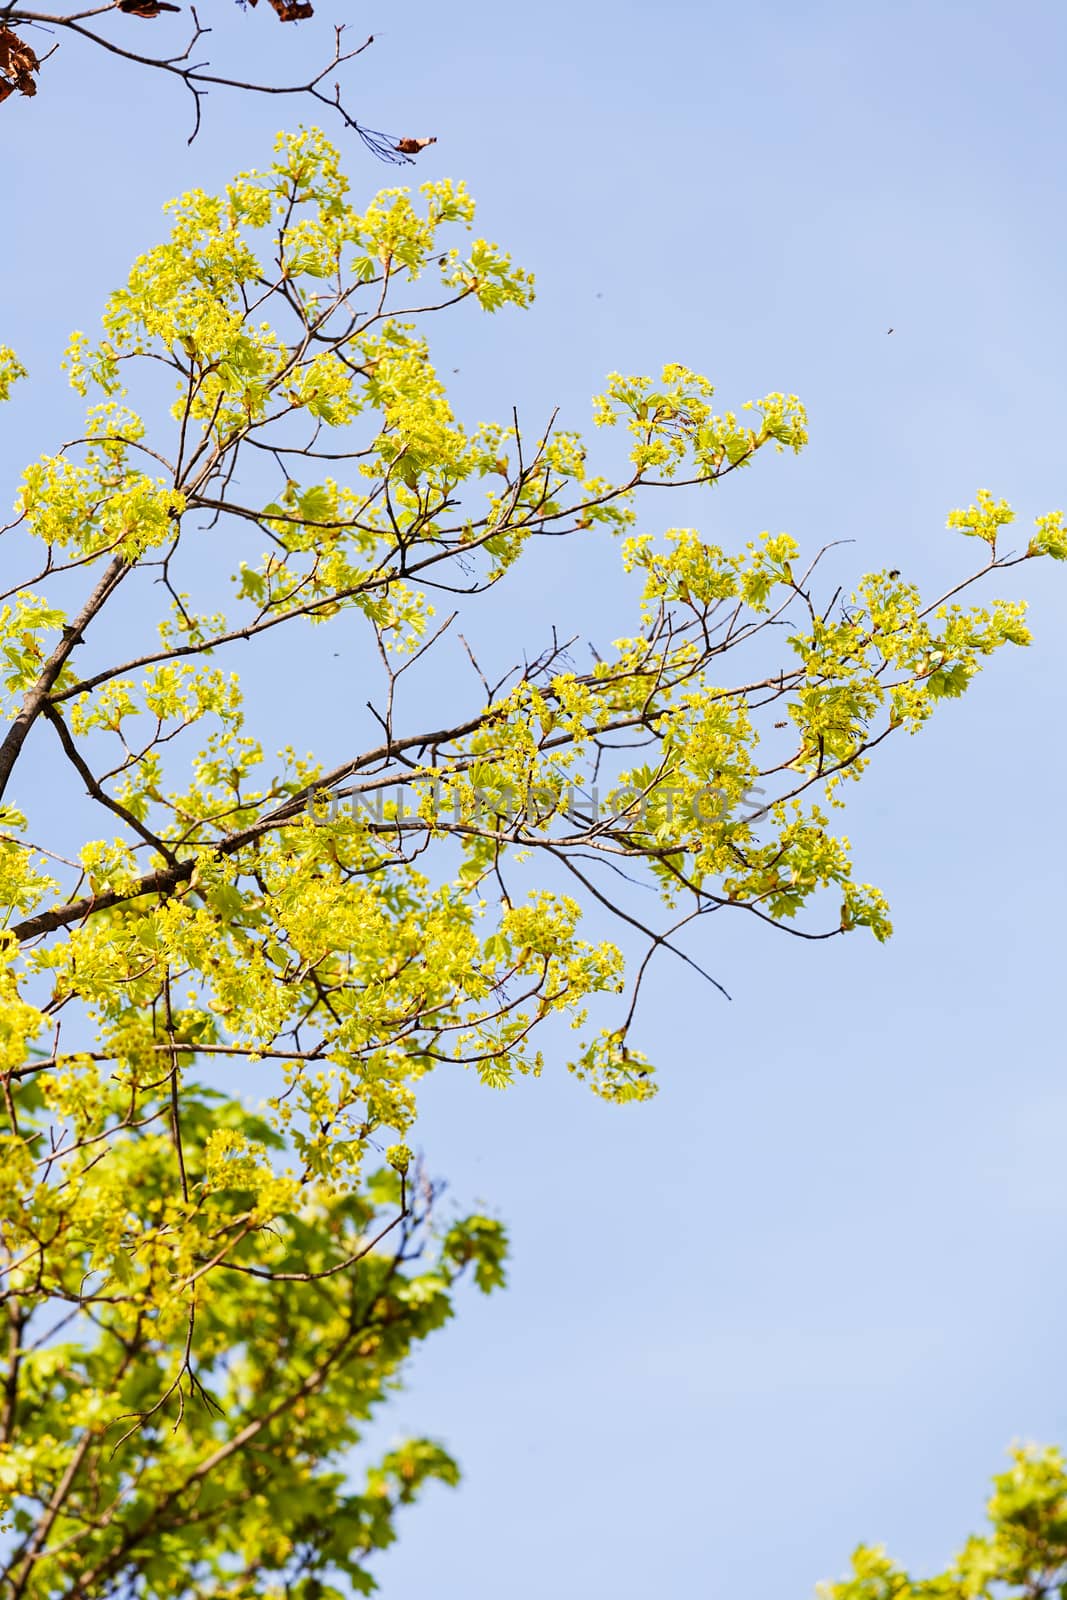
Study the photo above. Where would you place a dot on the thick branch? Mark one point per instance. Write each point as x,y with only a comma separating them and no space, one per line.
164,880
35,699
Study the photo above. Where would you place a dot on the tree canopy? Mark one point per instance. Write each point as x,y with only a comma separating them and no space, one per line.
206,1302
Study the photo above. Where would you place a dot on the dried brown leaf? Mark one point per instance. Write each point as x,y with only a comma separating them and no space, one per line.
17,65
292,10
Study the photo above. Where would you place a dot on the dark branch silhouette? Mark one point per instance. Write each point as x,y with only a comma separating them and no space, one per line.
20,64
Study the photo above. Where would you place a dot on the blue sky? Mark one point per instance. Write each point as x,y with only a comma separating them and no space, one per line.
811,1293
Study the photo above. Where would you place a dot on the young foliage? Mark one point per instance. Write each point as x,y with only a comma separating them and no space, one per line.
204,1305
1022,1557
